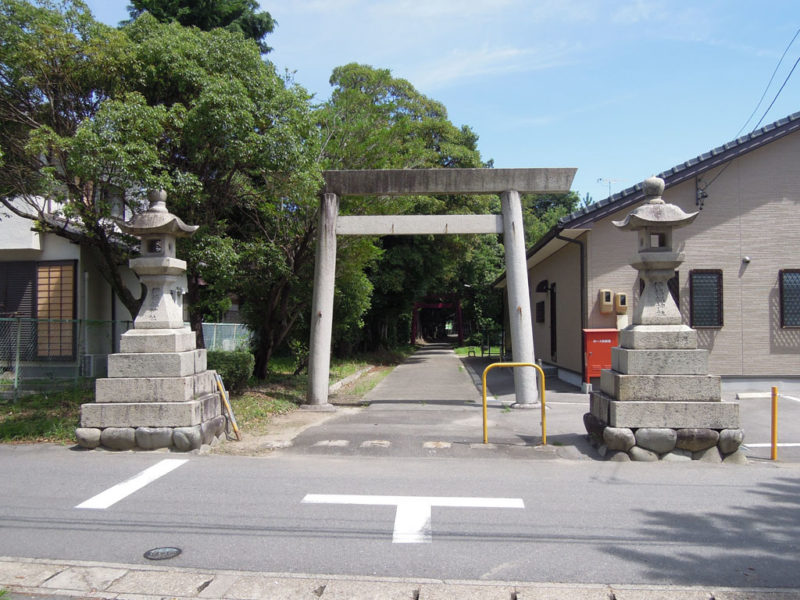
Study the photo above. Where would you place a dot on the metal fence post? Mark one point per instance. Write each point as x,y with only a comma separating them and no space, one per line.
16,358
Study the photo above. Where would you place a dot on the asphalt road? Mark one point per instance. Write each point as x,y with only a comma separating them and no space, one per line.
582,521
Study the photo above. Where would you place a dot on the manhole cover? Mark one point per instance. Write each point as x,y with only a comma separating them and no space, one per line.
162,553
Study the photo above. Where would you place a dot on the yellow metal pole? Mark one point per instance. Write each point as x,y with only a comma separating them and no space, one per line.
510,364
544,414
774,453
485,426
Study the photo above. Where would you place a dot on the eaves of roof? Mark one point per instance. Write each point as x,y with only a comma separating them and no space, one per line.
583,218
680,173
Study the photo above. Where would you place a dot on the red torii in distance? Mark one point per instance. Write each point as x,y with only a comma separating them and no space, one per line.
455,302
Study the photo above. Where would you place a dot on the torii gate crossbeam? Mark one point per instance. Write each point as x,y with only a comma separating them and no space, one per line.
508,183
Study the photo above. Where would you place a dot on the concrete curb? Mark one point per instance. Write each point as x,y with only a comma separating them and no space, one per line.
64,578
334,387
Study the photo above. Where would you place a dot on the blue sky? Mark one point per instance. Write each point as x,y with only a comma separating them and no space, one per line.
620,89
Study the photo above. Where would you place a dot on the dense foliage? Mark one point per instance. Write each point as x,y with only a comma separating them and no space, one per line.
234,15
180,98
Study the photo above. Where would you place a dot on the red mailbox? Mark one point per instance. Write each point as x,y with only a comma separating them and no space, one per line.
598,344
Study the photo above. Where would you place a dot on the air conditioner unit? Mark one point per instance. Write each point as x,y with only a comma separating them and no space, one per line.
94,365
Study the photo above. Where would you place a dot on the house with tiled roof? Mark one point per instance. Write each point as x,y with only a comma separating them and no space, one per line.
739,285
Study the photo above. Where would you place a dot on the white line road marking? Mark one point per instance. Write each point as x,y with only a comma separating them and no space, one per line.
789,445
114,494
412,524
412,521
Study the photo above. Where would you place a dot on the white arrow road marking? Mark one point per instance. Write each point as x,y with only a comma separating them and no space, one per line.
122,490
412,521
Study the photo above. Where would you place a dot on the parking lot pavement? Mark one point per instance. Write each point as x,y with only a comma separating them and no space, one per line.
566,406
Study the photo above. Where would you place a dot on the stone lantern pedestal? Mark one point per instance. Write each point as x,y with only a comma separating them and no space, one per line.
158,393
658,400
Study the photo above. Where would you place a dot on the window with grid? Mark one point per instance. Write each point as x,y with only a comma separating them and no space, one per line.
790,297
705,298
55,309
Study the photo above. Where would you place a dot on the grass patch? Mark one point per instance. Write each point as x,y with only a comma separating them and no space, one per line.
52,416
255,409
45,417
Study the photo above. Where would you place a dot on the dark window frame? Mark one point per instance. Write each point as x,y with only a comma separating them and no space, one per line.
782,298
692,301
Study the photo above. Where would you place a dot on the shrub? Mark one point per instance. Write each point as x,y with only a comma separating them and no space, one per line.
235,368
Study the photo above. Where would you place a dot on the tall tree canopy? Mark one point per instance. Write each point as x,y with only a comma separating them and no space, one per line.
91,117
234,15
373,121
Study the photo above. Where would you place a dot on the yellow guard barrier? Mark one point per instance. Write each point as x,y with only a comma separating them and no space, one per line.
513,364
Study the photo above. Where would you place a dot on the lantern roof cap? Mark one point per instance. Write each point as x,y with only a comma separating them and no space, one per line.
157,219
655,212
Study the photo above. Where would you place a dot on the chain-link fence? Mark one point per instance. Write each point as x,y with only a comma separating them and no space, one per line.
42,354
226,336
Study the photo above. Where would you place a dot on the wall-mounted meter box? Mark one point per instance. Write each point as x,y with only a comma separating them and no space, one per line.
606,302
621,303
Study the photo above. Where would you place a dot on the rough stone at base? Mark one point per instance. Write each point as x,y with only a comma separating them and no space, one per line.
641,455
594,426
619,438
736,458
618,456
711,455
730,440
150,414
677,456
696,439
88,437
187,438
657,439
153,438
118,438
677,415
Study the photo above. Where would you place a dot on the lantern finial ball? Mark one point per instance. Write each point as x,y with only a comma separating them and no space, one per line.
158,200
653,188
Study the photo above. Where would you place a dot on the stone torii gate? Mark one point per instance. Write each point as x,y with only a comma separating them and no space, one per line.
508,183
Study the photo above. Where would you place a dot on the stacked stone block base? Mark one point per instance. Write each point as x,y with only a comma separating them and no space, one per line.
664,430
657,402
159,394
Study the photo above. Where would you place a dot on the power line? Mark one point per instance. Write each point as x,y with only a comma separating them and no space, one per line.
785,81
769,83
783,85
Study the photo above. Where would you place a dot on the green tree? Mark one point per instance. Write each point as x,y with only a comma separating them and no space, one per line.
372,121
540,212
91,116
59,73
234,15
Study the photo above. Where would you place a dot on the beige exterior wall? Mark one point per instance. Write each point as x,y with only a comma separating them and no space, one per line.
563,269
752,209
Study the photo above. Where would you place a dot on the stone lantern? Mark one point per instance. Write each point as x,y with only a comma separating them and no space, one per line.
157,266
158,393
657,258
658,402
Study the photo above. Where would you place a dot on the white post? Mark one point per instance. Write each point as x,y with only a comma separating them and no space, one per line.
519,300
319,352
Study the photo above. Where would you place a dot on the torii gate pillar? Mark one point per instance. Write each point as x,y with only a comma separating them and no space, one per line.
519,300
509,183
319,357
